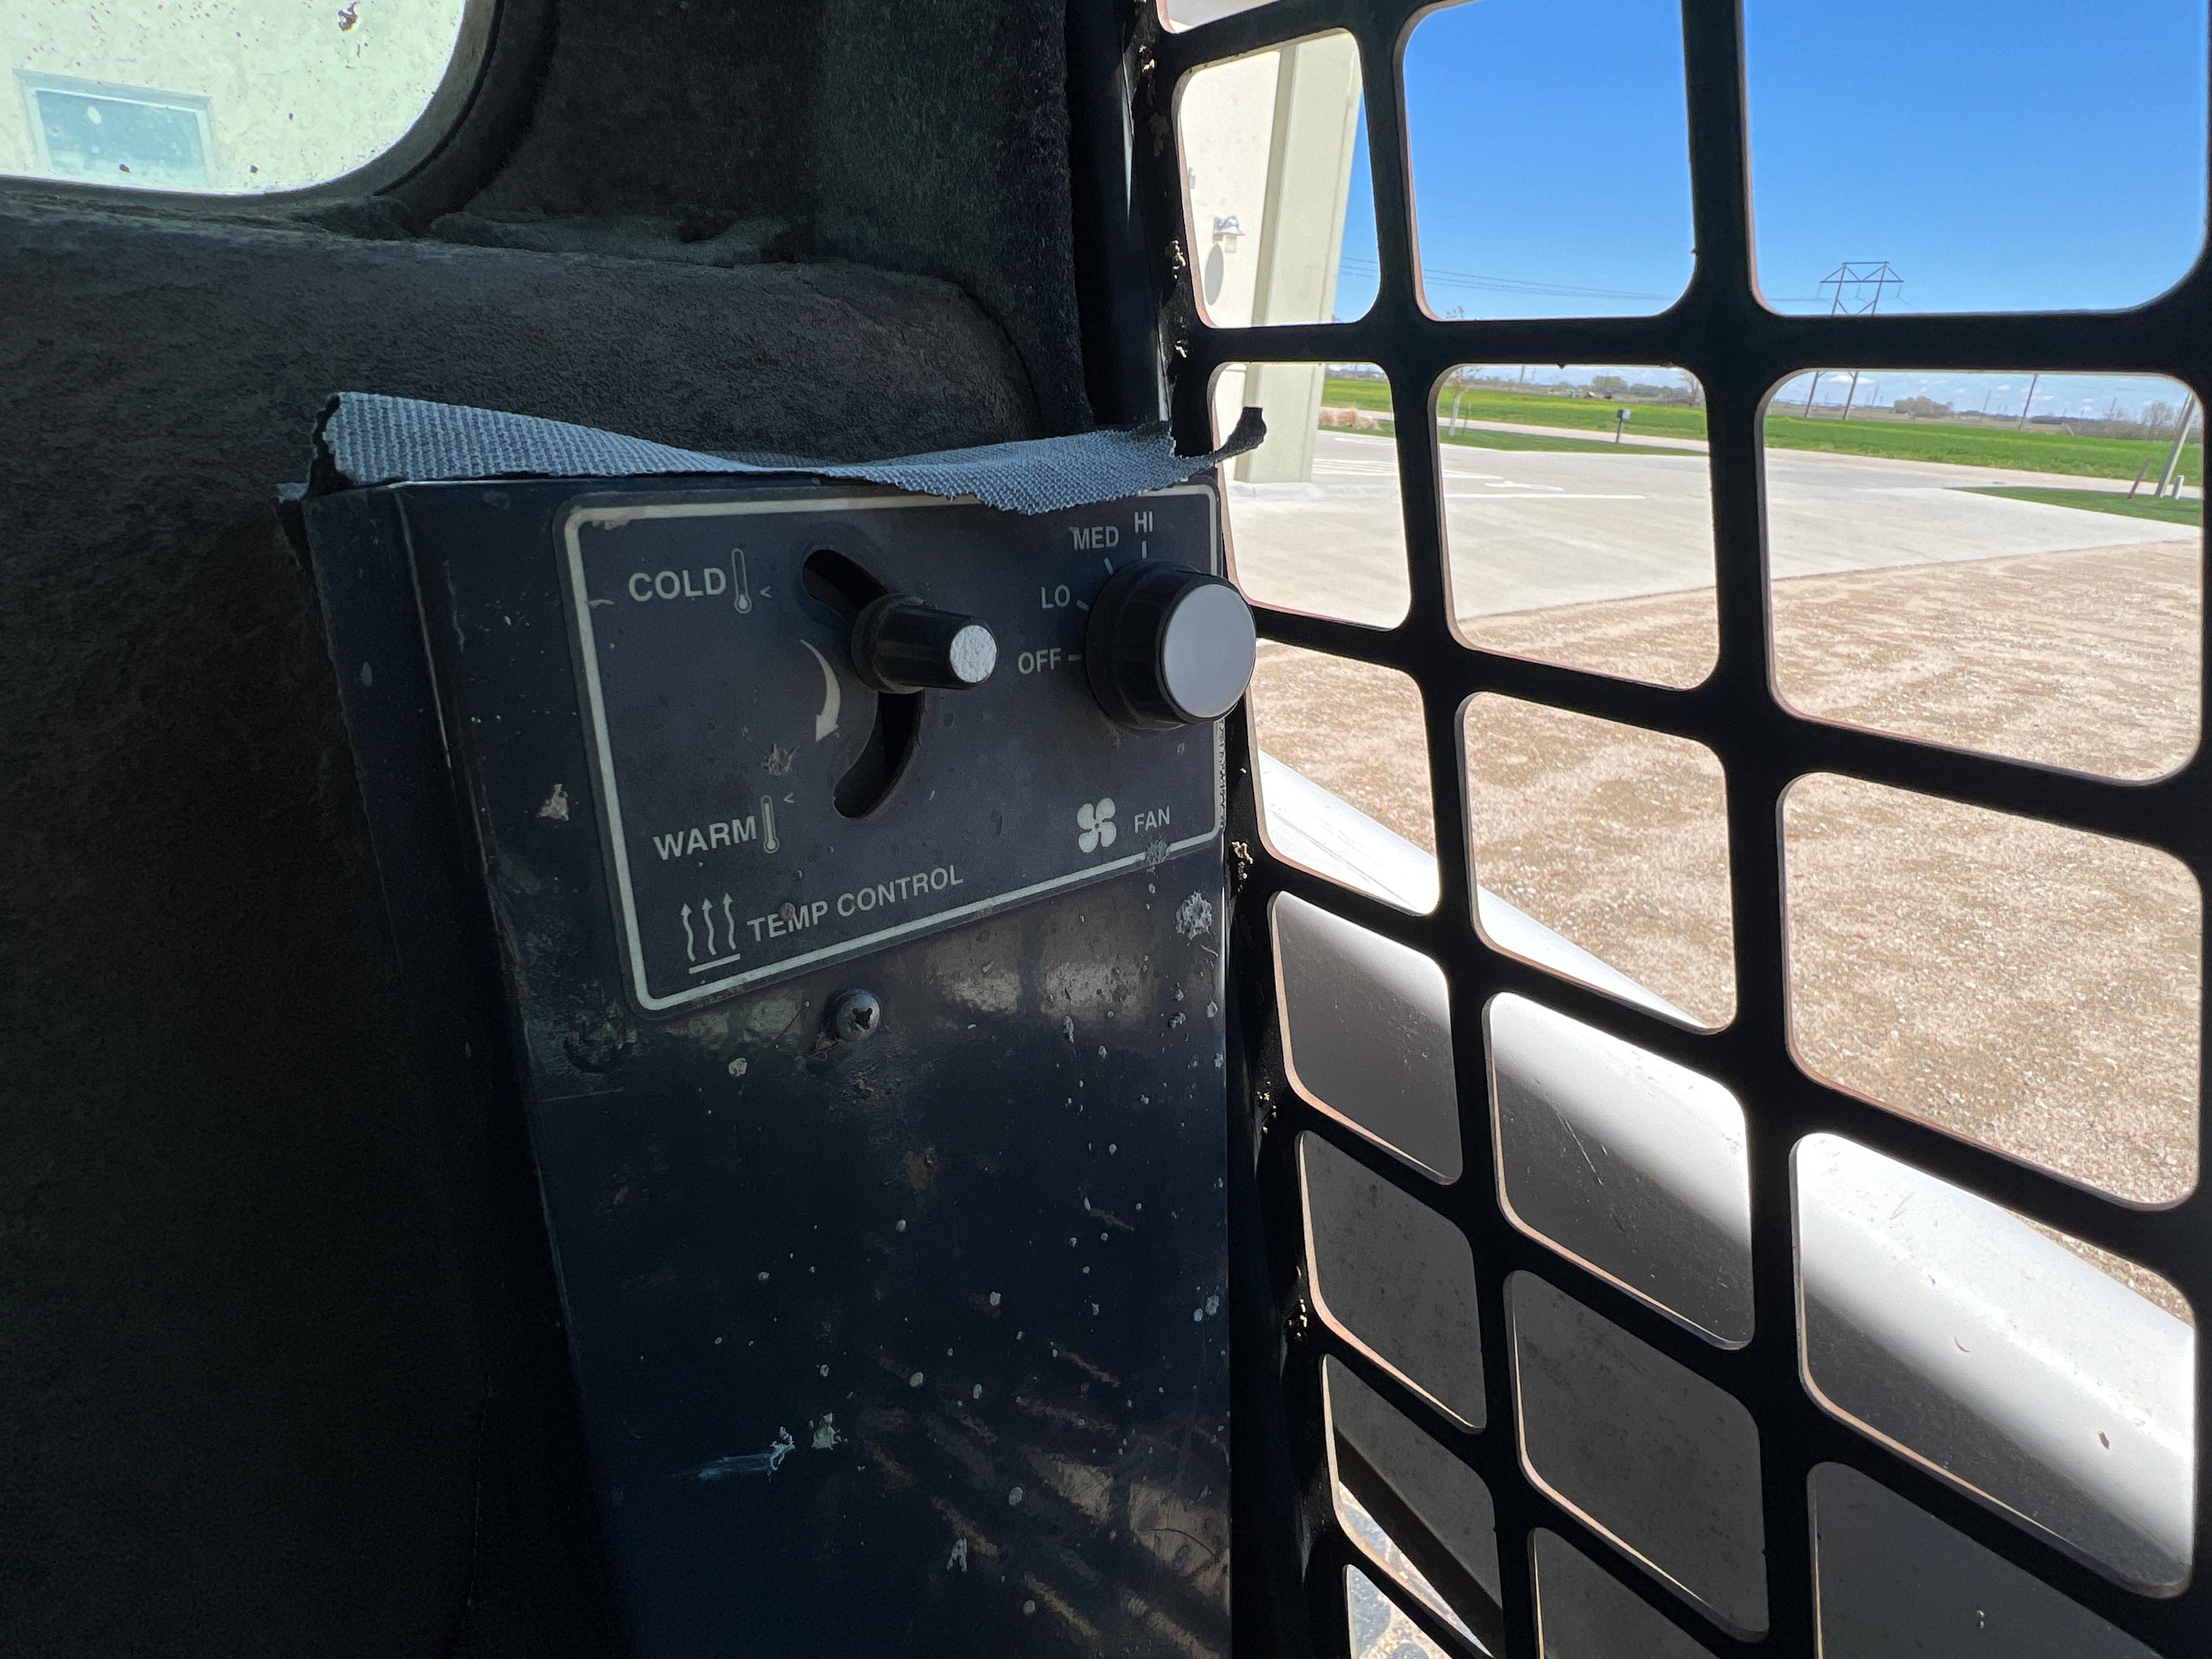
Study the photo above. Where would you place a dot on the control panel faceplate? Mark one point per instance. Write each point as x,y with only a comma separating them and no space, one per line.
905,1336
766,811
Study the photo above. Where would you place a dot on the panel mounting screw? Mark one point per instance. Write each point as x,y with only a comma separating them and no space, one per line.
854,1016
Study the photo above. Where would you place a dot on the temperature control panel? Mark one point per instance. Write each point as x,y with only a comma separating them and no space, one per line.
832,881
818,725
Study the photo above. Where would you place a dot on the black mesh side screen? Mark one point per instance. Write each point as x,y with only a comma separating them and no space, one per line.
1294,1546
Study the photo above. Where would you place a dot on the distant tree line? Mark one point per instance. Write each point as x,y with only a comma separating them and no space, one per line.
1470,376
2156,421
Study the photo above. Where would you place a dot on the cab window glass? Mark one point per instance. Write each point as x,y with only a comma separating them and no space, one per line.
239,99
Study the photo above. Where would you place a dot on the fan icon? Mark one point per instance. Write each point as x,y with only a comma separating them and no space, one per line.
1097,823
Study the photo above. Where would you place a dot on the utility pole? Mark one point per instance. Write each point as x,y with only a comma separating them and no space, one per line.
2180,438
2030,403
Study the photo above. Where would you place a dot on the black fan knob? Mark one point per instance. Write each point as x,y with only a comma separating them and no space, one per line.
1168,646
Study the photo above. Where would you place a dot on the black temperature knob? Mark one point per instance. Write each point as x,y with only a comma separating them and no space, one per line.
1168,646
899,644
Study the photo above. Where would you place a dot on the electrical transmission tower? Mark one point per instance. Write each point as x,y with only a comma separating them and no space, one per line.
1859,287
1856,288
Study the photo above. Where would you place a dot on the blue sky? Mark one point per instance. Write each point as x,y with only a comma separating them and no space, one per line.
2002,154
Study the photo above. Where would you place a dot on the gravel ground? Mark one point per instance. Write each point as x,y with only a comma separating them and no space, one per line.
2086,659
2026,986
1615,836
1349,726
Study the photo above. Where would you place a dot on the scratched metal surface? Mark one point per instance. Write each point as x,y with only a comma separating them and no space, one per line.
916,1346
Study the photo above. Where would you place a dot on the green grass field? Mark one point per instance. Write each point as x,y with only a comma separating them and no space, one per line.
2030,452
1482,438
1921,440
2103,500
1478,438
1584,413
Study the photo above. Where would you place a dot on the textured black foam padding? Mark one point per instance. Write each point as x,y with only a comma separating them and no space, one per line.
941,146
923,135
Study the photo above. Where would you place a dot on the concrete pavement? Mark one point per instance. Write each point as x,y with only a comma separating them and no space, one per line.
1531,529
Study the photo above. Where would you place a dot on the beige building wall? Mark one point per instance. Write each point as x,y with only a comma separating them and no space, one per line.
1267,144
243,98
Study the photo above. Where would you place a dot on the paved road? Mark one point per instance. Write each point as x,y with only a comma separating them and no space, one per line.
1530,529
